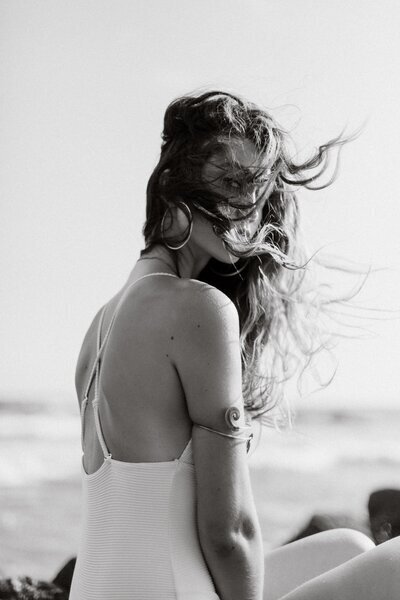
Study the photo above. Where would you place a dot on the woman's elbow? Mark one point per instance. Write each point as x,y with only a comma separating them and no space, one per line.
229,536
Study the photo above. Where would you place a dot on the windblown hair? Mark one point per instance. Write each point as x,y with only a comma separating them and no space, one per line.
278,307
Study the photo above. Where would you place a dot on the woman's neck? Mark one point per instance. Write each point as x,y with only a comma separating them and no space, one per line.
190,263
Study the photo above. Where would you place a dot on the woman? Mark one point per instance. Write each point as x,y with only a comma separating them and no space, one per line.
174,366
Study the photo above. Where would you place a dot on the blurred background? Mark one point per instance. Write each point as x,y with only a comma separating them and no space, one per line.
84,85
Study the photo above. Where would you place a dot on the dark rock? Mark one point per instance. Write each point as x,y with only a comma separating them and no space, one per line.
26,588
320,523
384,514
384,519
64,576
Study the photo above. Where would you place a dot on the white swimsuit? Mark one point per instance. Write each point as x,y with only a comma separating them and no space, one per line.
139,538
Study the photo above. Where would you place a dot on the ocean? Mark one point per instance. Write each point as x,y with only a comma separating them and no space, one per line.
328,463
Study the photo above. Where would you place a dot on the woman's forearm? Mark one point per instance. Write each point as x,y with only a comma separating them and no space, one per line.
236,565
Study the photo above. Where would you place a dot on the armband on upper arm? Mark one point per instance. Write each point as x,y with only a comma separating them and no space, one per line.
232,415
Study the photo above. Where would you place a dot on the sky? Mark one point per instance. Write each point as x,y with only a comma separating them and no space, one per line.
84,85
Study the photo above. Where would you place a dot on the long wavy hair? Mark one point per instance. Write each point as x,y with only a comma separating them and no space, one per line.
278,301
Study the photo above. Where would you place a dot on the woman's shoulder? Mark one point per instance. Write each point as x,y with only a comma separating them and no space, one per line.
187,295
178,304
199,299
203,313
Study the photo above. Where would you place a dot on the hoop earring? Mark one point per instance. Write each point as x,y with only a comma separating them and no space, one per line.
189,217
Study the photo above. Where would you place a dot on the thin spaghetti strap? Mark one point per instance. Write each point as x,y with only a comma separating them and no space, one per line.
92,372
95,371
95,402
99,349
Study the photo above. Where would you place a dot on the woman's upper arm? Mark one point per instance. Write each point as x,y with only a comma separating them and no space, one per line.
209,366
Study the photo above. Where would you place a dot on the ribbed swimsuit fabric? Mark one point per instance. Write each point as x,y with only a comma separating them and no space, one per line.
139,537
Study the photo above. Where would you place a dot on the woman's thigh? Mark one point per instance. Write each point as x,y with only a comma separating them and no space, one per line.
290,566
368,575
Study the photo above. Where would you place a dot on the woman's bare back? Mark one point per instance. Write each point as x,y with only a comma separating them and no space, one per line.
142,405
